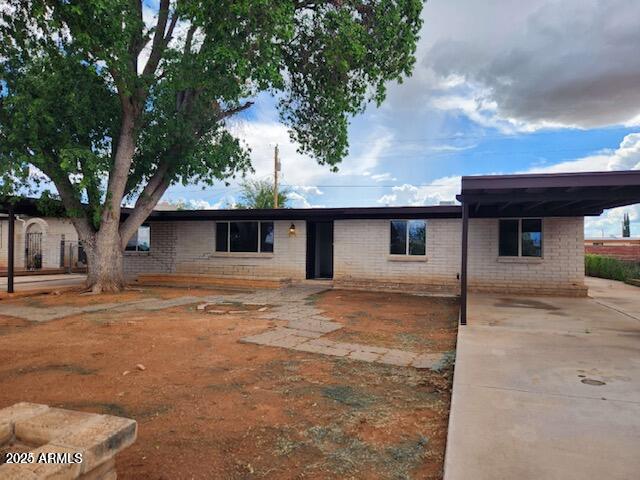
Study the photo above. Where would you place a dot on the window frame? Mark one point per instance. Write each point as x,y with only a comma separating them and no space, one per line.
259,251
136,250
519,220
407,239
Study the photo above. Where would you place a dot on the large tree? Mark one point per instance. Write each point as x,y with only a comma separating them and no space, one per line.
112,101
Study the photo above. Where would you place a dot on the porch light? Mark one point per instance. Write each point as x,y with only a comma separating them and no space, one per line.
292,230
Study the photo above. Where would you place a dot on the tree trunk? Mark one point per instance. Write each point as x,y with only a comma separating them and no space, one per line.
105,262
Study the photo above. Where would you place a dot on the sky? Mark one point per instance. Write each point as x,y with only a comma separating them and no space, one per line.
499,86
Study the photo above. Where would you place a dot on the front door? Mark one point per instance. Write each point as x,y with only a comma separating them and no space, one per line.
319,249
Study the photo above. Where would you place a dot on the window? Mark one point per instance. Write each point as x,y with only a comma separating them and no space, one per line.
520,238
140,241
244,237
408,237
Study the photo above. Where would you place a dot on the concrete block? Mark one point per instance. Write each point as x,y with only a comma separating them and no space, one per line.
100,440
20,411
52,423
6,432
14,471
105,471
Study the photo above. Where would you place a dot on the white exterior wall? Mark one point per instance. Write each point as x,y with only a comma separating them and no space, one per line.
189,247
560,270
361,256
161,257
52,229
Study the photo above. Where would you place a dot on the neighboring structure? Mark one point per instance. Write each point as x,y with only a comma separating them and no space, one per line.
627,249
42,243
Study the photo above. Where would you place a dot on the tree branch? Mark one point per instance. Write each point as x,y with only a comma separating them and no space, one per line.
159,40
150,196
232,111
69,199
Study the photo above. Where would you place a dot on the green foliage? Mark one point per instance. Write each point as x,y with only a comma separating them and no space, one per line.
259,194
611,268
76,92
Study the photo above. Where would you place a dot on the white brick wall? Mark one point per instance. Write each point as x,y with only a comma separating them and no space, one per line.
361,252
189,247
560,269
161,258
361,255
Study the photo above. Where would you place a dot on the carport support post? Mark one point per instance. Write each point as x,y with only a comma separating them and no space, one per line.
10,249
463,265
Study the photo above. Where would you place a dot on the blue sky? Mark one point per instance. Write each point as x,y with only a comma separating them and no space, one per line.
498,87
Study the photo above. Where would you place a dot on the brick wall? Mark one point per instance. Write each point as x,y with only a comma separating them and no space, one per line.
560,271
629,253
189,247
361,256
161,258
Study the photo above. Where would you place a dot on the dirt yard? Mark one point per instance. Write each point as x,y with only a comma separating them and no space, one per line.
210,407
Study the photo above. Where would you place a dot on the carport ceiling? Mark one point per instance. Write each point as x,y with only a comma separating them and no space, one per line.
549,195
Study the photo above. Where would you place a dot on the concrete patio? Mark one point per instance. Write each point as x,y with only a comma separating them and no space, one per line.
548,388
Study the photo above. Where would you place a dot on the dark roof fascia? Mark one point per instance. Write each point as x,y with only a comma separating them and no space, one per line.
622,178
439,211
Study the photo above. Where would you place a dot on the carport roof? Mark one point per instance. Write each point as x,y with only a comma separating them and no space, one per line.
550,194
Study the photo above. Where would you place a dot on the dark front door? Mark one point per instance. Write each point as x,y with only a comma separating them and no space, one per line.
319,249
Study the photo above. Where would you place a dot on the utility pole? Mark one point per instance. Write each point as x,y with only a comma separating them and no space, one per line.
276,169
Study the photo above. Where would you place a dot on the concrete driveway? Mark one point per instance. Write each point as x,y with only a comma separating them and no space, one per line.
548,388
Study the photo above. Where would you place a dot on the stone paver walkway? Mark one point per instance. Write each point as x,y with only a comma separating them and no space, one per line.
306,325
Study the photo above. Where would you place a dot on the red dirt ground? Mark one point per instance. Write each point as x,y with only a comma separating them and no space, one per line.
210,407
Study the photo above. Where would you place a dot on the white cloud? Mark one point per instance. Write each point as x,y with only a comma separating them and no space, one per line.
442,189
389,199
298,201
523,66
381,177
308,189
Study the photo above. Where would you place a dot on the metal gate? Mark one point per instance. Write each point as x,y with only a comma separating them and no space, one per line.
33,251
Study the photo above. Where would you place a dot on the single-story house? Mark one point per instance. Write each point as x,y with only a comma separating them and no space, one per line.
510,233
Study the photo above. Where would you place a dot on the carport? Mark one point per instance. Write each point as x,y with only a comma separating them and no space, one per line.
540,195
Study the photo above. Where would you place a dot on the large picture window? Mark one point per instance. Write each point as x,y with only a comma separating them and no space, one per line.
520,237
140,241
408,237
254,237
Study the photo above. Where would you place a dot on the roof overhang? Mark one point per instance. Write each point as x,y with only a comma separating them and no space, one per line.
549,195
439,211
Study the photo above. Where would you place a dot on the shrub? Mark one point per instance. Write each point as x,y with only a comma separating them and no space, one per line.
611,268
